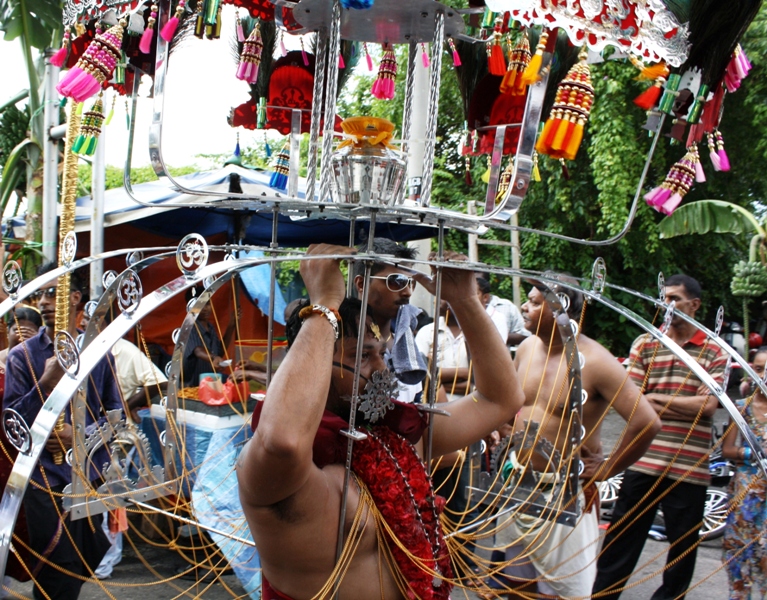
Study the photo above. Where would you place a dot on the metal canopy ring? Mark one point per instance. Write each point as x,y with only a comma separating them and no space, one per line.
133,258
130,291
108,278
719,320
668,317
17,431
564,302
68,249
12,278
661,287
192,254
598,275
66,352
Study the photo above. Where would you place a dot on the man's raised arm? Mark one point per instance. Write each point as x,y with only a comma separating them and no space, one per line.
278,459
499,395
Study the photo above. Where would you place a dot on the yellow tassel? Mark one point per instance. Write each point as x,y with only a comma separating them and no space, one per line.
575,141
536,172
530,75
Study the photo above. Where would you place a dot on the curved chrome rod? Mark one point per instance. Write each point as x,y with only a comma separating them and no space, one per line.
30,288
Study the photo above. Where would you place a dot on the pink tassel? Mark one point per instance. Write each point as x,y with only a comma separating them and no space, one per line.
383,87
169,30
283,49
240,32
700,176
424,56
456,57
367,56
341,63
58,59
78,85
305,57
712,154
724,161
657,196
670,205
145,45
250,59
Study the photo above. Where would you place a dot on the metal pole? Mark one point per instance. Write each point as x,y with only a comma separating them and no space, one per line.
471,209
314,131
415,132
355,390
331,89
272,289
431,129
98,186
515,262
50,161
433,383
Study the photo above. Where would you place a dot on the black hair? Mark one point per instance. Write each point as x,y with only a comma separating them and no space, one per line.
76,283
382,246
26,313
690,284
483,285
576,297
349,312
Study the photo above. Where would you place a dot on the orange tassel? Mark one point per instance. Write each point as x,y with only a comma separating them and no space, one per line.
531,75
575,141
507,85
651,95
652,72
563,132
559,138
549,131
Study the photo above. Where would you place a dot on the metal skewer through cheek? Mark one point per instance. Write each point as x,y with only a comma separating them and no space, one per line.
351,433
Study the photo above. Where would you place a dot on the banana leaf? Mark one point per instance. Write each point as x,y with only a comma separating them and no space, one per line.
709,216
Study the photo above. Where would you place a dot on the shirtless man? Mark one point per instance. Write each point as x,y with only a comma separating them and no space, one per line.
293,505
557,559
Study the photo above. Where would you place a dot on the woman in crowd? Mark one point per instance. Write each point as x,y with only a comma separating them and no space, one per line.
745,539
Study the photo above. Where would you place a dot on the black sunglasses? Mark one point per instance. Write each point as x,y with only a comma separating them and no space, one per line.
49,293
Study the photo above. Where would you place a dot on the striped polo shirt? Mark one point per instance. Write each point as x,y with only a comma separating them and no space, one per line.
678,443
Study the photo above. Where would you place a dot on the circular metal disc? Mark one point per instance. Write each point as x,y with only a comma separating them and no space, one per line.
192,254
68,248
17,431
108,278
12,278
392,21
130,291
66,352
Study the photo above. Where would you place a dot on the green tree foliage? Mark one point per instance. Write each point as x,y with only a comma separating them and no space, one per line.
114,176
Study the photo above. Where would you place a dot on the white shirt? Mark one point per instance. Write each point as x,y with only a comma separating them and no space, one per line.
134,369
510,313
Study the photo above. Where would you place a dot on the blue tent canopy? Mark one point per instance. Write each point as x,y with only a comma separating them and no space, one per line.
175,223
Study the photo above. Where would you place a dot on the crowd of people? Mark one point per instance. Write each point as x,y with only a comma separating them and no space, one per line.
498,369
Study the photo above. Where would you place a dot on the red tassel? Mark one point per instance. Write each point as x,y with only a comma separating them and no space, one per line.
496,61
169,30
649,98
341,63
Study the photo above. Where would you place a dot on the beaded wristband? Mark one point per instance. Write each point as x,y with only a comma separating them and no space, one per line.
746,453
330,314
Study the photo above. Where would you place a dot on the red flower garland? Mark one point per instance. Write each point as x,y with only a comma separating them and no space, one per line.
397,480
